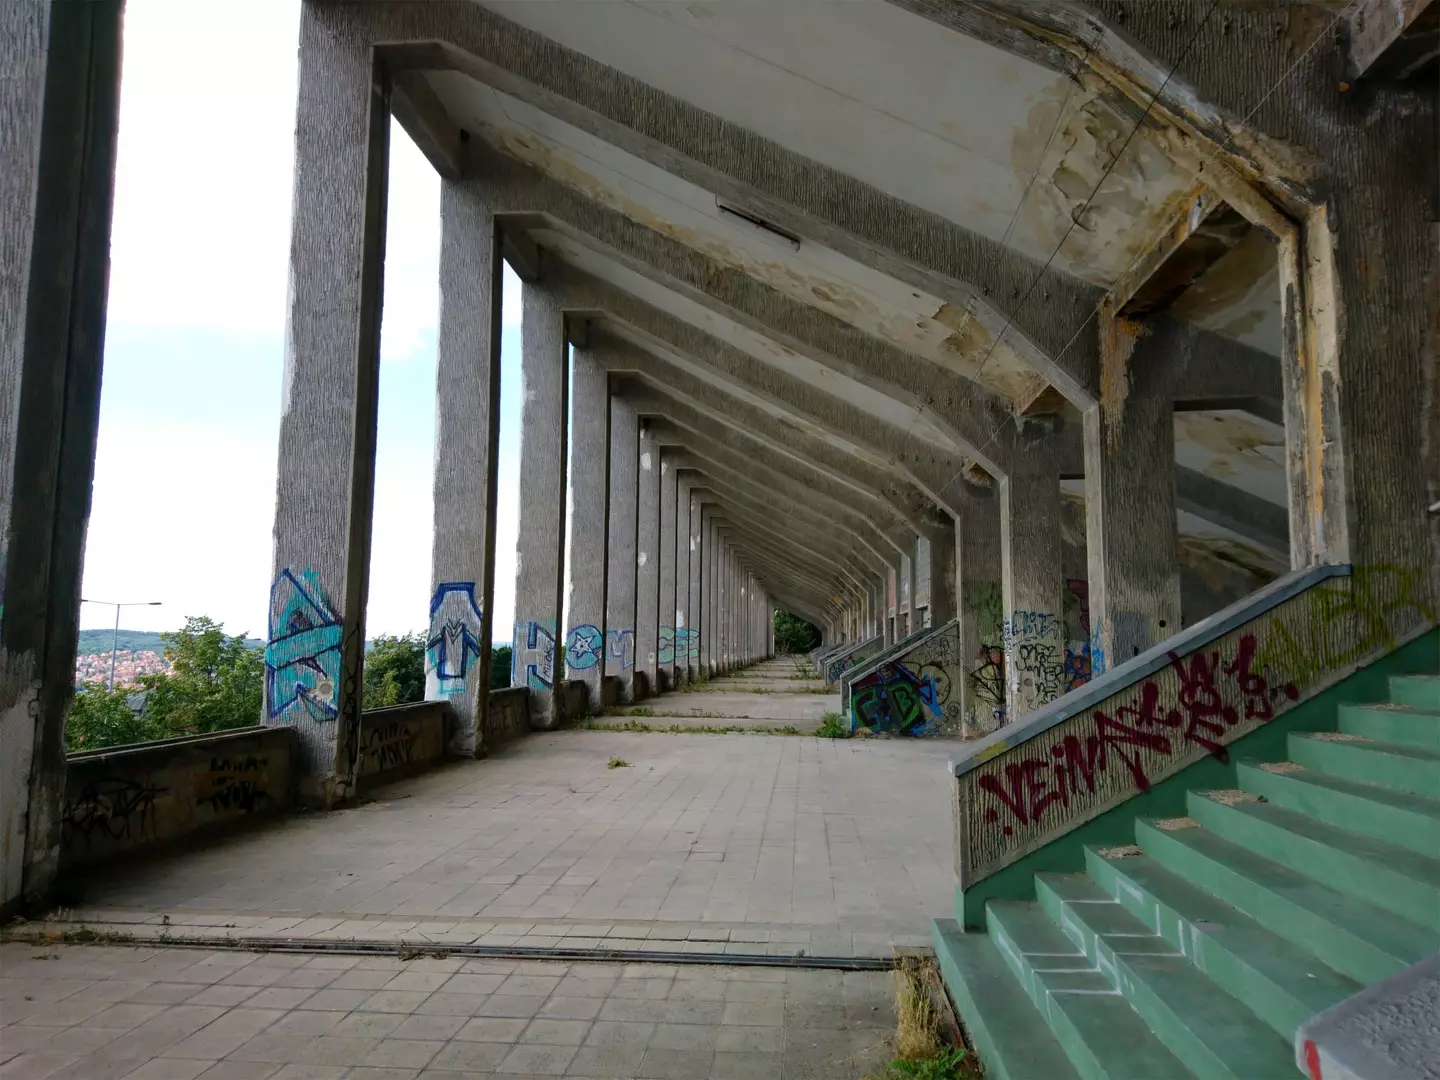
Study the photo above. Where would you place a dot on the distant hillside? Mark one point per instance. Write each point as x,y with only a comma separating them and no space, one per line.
99,641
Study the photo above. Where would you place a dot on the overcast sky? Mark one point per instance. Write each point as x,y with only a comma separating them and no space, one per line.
184,497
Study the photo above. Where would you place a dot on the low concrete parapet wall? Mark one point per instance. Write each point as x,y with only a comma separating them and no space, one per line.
840,662
910,689
402,739
150,795
507,717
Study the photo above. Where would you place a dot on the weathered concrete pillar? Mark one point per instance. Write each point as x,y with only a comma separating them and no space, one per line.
326,484
1030,551
585,606
467,428
540,546
665,650
621,557
647,562
682,579
982,609
59,109
1134,574
907,594
942,573
694,612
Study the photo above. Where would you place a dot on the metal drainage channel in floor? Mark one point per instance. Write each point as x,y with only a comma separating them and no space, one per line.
416,949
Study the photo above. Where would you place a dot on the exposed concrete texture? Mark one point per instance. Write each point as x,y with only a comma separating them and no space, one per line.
1030,553
467,432
682,579
980,569
1388,1031
665,608
621,553
59,111
402,740
539,555
585,607
647,562
694,611
942,566
326,485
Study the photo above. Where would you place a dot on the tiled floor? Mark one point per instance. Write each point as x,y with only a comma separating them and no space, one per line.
105,1013
838,847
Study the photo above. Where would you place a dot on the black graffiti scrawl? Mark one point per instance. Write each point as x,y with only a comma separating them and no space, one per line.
111,808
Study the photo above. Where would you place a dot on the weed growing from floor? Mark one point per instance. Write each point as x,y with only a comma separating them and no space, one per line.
833,727
921,1055
618,763
691,729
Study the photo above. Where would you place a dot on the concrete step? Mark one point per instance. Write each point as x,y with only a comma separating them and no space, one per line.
1391,877
1420,691
1401,724
1356,938
1384,764
1203,1026
1282,983
1103,1036
1409,821
999,1016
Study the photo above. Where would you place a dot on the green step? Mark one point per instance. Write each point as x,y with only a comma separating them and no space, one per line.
1212,1032
1400,724
1421,691
1281,983
1356,938
1000,1018
1103,1036
1398,817
1395,878
1384,764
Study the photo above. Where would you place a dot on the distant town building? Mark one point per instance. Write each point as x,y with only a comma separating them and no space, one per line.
129,666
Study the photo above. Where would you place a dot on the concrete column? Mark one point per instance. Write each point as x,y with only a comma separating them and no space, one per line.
59,109
326,484
682,580
1134,573
585,607
467,430
647,562
665,652
982,610
694,612
1033,578
907,593
621,555
540,546
942,573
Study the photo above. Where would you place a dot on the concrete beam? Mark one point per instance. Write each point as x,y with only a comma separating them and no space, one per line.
1239,511
1393,39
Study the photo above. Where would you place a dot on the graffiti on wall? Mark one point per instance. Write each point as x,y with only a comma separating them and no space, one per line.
302,659
239,783
986,670
1034,657
1195,705
534,654
666,651
1081,653
387,746
687,643
584,647
453,643
111,808
620,647
916,693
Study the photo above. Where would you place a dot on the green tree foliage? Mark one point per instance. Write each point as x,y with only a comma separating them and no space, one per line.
793,634
216,683
395,671
499,667
99,718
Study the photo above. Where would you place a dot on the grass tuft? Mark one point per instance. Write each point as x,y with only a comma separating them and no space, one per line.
833,727
618,763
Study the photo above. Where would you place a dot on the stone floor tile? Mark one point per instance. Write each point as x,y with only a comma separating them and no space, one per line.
337,1050
239,1070
755,1013
633,1009
406,1053
311,1072
682,1011
684,1036
607,1061
473,983
170,1068
523,1005
747,1065
611,1033
492,1029
381,1072
308,1022
529,984
537,1059
366,1025
663,1064
429,1027
478,1057
401,1001
33,1066
442,1003
558,1032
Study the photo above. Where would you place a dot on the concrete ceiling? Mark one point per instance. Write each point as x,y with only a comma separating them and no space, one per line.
966,131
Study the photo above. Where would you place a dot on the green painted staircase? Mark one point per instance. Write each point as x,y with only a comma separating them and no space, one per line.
1198,951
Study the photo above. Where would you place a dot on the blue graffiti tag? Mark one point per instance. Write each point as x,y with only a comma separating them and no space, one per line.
666,651
302,659
454,639
584,647
620,647
536,651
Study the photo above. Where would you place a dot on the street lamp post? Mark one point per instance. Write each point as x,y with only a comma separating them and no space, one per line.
115,641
